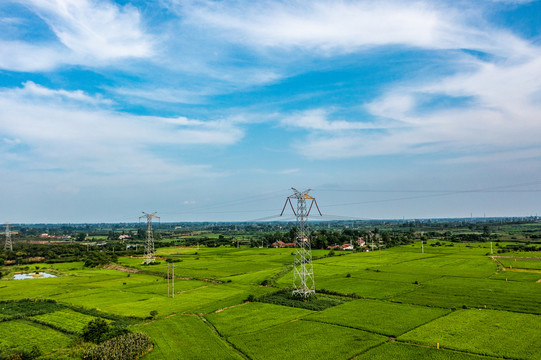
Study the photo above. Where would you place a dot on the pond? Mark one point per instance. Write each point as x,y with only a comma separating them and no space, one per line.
39,275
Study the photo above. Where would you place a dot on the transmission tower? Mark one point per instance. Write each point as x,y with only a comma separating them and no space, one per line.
149,245
9,244
303,272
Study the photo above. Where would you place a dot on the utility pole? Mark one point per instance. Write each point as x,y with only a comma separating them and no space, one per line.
303,272
171,280
149,246
8,246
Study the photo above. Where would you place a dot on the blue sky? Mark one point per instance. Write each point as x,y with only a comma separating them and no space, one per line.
212,110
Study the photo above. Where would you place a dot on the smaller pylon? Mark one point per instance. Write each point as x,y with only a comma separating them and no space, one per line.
8,245
149,245
171,280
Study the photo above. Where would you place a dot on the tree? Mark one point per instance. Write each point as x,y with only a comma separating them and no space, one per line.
141,234
292,235
81,237
96,330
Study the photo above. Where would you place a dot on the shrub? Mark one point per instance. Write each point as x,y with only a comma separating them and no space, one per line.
22,354
124,347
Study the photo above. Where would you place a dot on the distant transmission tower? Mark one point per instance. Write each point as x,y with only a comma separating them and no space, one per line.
303,272
9,244
149,245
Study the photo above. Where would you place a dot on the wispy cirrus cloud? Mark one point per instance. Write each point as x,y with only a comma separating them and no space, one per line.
318,120
31,90
331,27
87,32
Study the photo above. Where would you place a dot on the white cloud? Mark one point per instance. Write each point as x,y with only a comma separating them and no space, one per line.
501,116
31,89
98,29
20,56
329,27
70,132
89,32
317,119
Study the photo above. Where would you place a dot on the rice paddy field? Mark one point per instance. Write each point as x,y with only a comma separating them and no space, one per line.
450,302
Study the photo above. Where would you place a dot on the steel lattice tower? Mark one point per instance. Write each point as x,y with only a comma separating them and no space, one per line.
149,245
9,244
303,273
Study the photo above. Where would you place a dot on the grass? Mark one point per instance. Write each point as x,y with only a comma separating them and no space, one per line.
305,339
22,334
399,351
484,332
520,263
187,337
384,318
67,319
454,292
240,319
403,292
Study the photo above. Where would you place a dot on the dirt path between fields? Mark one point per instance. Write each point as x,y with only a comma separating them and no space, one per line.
120,268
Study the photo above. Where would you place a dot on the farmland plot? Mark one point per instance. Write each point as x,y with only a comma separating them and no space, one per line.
399,351
485,332
251,317
185,337
520,263
67,319
377,316
454,292
21,334
305,340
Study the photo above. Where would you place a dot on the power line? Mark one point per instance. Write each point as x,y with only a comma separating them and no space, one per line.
434,193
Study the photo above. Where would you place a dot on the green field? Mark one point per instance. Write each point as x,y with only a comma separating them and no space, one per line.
400,351
185,337
484,332
418,299
380,317
66,319
305,339
22,334
520,263
240,319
